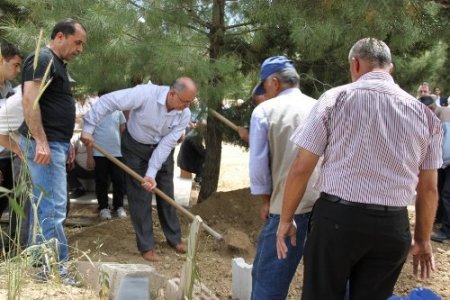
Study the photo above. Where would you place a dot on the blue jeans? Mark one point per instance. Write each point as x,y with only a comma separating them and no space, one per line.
271,276
50,188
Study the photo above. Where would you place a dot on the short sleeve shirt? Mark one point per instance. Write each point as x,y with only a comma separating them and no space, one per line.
57,104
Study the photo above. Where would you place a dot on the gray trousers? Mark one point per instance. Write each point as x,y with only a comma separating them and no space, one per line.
136,156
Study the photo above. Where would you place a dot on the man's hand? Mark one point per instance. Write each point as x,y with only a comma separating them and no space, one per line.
285,229
90,163
16,149
149,183
422,258
87,139
243,133
265,208
43,154
71,156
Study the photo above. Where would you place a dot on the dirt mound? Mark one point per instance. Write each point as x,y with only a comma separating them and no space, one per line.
235,209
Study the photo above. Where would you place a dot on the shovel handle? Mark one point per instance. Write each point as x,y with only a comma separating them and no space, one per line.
224,120
157,191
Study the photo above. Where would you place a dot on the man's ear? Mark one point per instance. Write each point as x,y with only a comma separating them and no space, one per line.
356,66
391,68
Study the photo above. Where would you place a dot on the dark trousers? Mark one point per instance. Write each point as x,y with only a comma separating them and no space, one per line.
8,182
444,200
75,173
104,171
136,156
365,247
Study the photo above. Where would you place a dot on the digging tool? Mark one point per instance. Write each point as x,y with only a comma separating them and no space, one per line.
157,191
224,120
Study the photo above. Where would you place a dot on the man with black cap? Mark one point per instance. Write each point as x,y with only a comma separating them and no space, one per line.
271,153
443,215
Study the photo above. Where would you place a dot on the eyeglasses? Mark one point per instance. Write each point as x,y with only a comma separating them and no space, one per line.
186,102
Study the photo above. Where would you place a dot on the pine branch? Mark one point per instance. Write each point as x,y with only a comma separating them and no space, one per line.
196,18
239,25
243,32
197,29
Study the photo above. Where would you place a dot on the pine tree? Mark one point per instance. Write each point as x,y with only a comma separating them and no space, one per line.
220,43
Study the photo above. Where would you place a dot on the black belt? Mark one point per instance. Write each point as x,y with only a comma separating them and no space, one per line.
339,200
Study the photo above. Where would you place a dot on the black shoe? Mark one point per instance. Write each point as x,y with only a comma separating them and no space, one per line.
77,193
439,237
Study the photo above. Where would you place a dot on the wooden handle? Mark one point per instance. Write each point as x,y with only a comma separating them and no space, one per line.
224,120
156,190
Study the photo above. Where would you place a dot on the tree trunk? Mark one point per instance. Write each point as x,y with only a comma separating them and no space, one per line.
211,170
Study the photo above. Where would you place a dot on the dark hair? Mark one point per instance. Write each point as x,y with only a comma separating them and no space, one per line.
427,100
66,26
9,51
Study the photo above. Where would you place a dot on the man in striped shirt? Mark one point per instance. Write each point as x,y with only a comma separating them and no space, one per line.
379,145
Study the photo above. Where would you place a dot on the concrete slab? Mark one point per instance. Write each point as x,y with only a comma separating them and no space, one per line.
241,279
134,287
106,278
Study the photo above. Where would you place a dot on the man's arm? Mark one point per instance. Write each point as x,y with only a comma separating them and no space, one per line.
259,161
426,204
34,121
9,143
296,183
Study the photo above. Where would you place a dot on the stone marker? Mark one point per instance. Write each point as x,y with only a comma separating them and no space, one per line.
241,277
134,287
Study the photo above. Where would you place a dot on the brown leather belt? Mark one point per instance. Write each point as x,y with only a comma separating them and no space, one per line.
336,199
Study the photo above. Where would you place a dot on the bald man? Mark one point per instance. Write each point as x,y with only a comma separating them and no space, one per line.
157,119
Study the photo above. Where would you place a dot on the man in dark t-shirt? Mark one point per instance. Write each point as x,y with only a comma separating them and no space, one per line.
46,132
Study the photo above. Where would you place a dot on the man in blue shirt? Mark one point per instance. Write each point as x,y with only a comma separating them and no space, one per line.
271,153
157,119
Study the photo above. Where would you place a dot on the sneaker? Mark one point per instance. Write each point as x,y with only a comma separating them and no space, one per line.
121,213
439,237
105,214
67,278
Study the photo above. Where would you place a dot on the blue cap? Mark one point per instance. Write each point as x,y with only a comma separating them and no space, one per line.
271,66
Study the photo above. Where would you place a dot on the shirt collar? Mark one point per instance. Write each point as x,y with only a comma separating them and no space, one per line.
288,91
377,75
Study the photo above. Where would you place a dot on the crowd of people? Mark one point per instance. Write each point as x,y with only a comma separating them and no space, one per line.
335,174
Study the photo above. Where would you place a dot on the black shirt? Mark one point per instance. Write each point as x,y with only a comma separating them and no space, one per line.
56,103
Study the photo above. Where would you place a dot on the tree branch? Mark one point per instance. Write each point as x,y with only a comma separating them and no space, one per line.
239,25
197,29
243,32
191,13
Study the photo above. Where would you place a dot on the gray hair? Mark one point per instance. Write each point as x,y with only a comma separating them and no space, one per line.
288,78
372,50
178,86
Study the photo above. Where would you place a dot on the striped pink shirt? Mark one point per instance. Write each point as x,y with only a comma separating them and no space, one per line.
374,138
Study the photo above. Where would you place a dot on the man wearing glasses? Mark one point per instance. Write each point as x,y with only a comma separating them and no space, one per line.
157,119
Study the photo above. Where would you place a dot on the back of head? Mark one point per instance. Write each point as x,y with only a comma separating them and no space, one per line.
288,77
8,51
66,27
372,51
184,84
